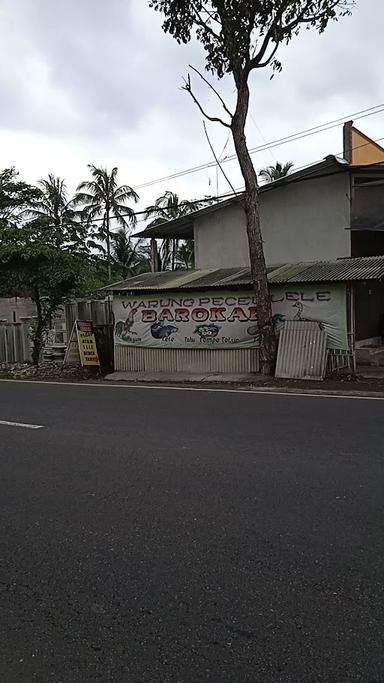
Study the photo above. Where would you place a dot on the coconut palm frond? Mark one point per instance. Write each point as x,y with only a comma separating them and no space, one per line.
102,196
172,253
271,173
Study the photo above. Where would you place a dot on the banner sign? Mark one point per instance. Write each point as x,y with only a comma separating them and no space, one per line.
224,320
324,303
87,343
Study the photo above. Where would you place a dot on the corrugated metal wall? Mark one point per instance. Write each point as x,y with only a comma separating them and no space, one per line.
302,351
230,361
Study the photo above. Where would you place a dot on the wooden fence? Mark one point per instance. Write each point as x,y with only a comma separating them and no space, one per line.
15,343
100,313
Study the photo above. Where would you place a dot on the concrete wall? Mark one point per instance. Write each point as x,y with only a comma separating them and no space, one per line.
301,221
14,308
221,239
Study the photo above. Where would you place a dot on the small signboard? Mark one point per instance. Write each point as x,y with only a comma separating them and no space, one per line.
83,337
87,343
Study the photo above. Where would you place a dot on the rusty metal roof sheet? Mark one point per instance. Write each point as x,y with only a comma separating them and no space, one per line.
185,279
155,281
341,270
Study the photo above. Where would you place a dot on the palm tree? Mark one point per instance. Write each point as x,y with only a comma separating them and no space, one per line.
186,255
166,208
129,258
102,198
53,210
15,198
271,173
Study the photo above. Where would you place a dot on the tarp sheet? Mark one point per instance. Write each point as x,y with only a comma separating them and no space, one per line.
220,319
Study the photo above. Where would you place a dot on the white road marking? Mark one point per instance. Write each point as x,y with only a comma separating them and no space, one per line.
20,424
162,387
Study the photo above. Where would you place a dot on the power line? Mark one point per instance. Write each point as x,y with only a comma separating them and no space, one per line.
318,161
205,199
364,113
228,195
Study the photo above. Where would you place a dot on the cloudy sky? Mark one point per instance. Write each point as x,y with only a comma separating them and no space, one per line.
91,81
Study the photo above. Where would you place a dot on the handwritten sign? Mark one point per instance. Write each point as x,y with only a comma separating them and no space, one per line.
87,343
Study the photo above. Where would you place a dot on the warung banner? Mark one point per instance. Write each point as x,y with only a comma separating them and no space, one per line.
223,319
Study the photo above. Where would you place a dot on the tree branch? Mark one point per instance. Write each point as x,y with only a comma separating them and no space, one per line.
213,90
314,17
271,56
278,31
213,18
253,63
215,119
200,22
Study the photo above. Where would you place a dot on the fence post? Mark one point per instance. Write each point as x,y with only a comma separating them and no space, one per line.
26,344
15,346
2,343
84,310
70,317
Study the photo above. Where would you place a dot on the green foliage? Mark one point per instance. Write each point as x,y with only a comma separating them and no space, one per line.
102,199
129,257
32,262
173,254
53,210
240,35
15,197
50,251
170,206
102,196
271,173
186,255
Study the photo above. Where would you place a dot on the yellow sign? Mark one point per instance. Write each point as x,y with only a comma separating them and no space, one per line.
87,343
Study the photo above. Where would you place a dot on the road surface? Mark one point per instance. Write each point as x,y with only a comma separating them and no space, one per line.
168,535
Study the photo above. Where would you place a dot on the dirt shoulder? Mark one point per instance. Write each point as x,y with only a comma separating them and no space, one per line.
342,383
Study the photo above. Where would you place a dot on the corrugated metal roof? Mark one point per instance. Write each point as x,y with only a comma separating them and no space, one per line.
187,279
154,281
223,277
341,270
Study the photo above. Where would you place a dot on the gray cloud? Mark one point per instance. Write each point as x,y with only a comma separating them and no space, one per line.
98,81
98,60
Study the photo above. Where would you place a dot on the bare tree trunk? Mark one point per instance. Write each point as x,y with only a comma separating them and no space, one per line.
38,331
108,245
154,256
256,252
174,253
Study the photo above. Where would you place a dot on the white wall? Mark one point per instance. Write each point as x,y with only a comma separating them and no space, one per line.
301,221
221,239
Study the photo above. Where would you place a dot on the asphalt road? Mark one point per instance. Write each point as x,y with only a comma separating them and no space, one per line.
163,535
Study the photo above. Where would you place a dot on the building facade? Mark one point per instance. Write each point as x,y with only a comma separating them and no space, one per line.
330,210
323,235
